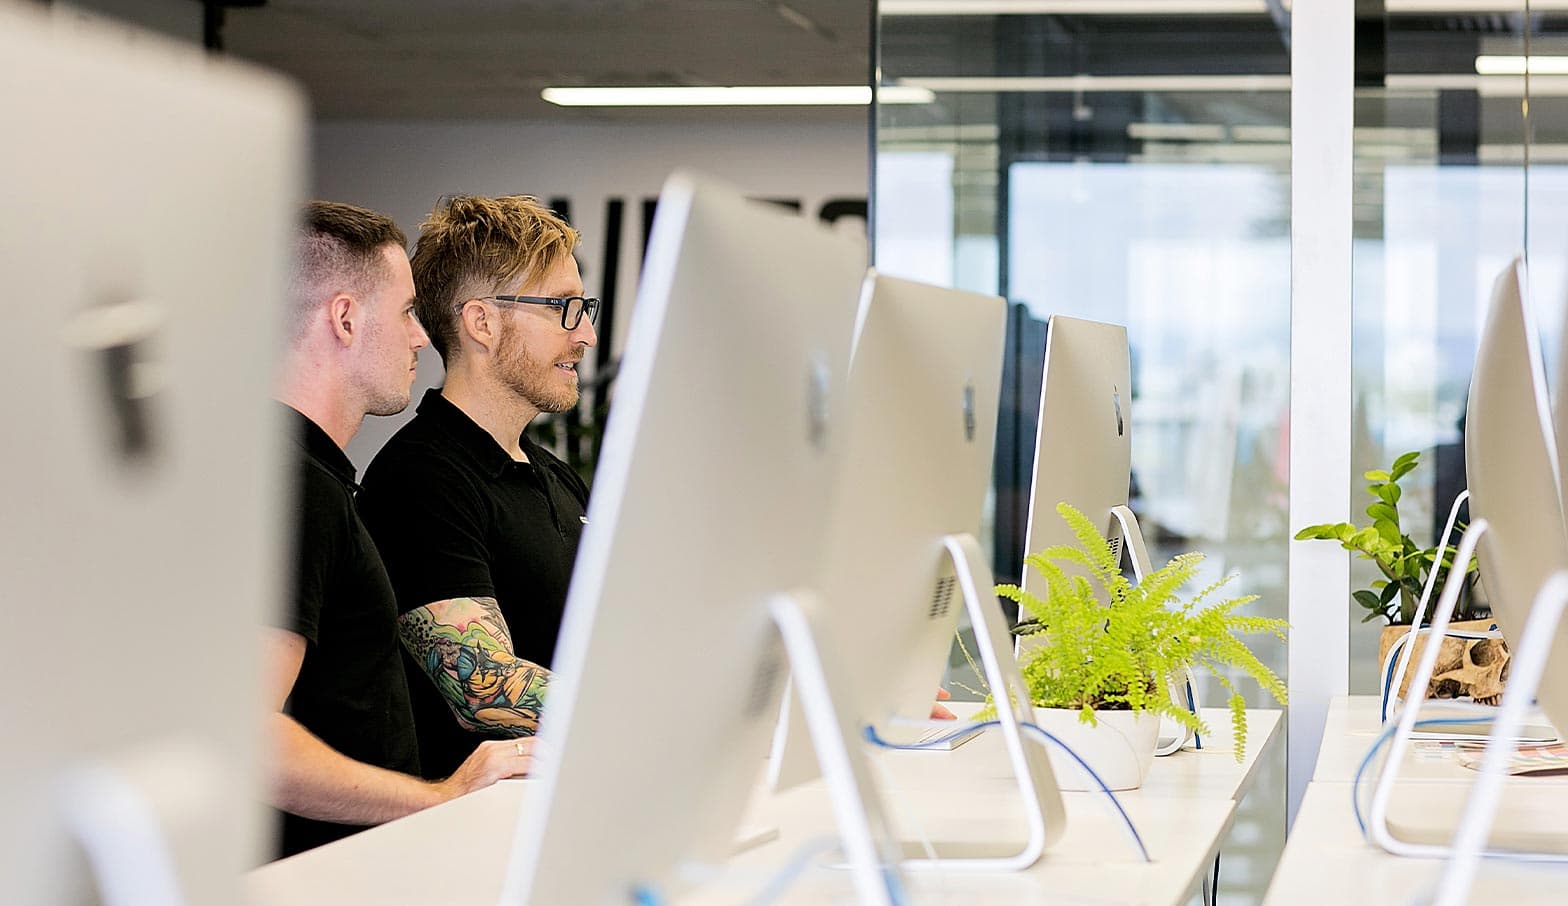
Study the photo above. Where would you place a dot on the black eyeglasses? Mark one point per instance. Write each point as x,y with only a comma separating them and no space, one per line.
573,308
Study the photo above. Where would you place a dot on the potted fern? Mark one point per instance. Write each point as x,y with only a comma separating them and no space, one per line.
1098,673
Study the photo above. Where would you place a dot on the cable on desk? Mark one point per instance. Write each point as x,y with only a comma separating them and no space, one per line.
1382,740
871,735
644,895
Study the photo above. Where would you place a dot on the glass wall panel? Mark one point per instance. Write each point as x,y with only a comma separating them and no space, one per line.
1441,199
1131,169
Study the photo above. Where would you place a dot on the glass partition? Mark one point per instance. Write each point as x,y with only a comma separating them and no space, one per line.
1131,169
1455,175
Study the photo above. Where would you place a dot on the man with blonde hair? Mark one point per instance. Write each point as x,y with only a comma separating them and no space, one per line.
343,736
480,525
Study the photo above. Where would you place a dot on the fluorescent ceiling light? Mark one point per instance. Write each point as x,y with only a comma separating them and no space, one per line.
1471,6
1503,64
735,96
1071,7
1090,83
1270,134
1182,7
1176,132
1488,86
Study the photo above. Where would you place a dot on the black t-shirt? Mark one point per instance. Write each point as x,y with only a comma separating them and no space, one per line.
456,517
352,691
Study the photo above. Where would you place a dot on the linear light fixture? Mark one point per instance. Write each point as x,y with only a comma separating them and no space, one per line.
1093,83
1181,7
1488,86
1504,64
735,96
1071,7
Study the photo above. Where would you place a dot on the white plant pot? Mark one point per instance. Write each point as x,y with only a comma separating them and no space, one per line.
1120,747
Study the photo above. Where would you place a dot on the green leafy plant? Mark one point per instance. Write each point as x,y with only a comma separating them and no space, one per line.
1405,567
1119,655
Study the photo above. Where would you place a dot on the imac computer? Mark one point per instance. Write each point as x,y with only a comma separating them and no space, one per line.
1083,457
1517,533
1511,471
902,558
1083,444
150,200
694,589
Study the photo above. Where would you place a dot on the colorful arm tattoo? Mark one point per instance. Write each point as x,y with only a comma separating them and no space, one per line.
465,648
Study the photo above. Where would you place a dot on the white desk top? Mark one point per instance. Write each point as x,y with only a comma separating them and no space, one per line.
1353,725
398,862
1327,861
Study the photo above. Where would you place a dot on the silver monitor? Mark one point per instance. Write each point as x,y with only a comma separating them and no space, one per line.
1083,444
709,502
1512,472
924,383
921,412
150,196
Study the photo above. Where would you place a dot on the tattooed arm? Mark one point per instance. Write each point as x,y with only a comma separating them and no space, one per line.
465,648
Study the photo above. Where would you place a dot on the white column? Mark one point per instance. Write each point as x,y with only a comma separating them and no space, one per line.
1321,113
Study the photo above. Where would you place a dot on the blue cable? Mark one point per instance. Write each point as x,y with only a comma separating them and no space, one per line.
645,896
1197,740
1377,746
871,735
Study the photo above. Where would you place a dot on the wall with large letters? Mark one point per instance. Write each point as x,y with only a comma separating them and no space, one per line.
603,176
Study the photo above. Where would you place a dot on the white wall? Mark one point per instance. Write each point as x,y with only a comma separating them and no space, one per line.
402,168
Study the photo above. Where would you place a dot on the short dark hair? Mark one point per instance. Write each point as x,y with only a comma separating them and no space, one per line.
472,245
338,248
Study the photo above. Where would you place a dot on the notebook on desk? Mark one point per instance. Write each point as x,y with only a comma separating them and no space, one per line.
930,735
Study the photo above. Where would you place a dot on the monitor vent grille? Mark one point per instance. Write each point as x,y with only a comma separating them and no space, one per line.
942,597
765,684
1116,549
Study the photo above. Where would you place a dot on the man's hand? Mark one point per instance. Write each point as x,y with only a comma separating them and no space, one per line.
493,760
937,711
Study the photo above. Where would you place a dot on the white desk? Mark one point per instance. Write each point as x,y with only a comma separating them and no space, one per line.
1353,725
457,852
1326,859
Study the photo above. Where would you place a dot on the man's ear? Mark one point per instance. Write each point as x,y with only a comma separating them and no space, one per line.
343,313
478,326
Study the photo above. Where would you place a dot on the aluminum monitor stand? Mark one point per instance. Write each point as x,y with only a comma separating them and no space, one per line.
1184,688
868,848
1044,812
1525,677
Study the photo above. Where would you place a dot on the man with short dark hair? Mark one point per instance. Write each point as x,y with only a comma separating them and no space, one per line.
479,524
346,754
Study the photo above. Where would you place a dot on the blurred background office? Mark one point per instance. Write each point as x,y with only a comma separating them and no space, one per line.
1120,161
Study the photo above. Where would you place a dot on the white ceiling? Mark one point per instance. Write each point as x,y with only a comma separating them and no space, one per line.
488,59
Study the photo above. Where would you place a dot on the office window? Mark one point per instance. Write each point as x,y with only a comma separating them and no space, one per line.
1131,169
1447,164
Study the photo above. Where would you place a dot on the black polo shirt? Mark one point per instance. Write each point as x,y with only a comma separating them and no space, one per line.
456,517
352,691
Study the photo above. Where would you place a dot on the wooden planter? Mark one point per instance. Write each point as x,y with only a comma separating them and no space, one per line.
1464,666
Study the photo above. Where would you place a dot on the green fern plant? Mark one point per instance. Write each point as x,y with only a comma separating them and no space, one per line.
1117,656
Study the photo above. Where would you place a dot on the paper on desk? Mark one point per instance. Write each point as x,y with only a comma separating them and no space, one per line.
1530,760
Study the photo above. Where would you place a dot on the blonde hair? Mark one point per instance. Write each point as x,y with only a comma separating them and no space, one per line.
471,246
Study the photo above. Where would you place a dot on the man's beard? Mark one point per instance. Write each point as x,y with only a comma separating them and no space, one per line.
530,379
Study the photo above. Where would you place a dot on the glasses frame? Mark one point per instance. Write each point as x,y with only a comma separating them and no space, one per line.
588,306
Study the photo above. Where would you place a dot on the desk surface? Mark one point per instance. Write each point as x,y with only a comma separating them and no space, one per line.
1353,726
1327,861
1183,813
